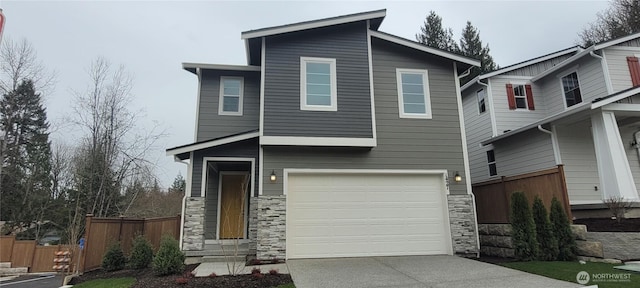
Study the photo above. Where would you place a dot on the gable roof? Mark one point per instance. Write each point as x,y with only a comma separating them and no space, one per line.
417,46
181,150
192,67
376,16
583,53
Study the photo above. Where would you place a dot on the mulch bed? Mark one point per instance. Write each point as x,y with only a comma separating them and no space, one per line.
146,279
610,225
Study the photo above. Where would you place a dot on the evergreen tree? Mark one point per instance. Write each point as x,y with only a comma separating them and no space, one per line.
548,244
25,189
471,46
434,35
524,230
179,184
562,229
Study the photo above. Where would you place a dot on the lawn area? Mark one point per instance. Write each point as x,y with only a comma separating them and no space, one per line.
108,283
568,271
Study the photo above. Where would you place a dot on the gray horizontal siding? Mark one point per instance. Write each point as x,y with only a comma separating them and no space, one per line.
538,68
579,159
402,143
618,67
210,124
590,77
528,152
282,115
478,128
507,119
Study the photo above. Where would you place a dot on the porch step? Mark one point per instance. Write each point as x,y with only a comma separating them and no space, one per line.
5,264
217,250
224,259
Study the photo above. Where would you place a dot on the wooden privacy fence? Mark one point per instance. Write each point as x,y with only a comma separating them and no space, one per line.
102,232
493,197
26,253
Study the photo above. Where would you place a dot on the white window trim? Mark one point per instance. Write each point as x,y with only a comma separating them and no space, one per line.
303,84
484,98
427,96
564,97
489,163
221,97
526,103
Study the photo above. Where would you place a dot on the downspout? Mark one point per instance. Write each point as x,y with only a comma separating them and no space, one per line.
544,130
489,103
636,142
465,73
605,71
184,198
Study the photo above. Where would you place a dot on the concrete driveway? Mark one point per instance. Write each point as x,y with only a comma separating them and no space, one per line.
411,271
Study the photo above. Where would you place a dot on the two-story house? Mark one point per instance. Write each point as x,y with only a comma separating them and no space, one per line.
577,107
336,140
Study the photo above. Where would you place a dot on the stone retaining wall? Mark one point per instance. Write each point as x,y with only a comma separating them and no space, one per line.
618,245
463,225
253,225
193,229
271,227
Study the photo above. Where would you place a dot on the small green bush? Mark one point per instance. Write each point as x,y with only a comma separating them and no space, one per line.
524,230
548,244
141,253
169,259
114,259
562,230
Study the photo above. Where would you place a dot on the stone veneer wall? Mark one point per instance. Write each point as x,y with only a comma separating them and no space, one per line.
271,228
463,225
253,224
193,228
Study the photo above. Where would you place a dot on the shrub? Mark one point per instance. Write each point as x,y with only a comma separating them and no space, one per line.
114,259
256,271
524,234
169,259
213,275
141,253
274,272
618,206
548,244
182,280
562,229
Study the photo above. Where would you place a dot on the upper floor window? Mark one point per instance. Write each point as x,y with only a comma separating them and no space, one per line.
571,89
318,89
231,95
491,161
413,93
482,107
520,96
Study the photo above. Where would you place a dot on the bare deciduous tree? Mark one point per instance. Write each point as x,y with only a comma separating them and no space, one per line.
19,61
620,19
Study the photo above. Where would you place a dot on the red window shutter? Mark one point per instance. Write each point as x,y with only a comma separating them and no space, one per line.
529,97
510,97
634,69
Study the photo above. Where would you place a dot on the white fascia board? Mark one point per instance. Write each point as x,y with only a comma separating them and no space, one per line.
574,109
469,84
527,63
212,143
616,41
220,67
367,171
619,97
317,141
312,24
562,64
417,46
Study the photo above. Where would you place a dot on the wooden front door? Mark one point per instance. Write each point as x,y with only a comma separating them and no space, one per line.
232,200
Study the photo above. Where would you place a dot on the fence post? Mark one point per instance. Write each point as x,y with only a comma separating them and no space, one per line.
87,231
507,199
565,192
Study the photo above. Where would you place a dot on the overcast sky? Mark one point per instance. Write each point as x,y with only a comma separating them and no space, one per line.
151,39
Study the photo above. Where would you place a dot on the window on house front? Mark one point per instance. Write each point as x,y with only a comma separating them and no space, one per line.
413,93
481,103
571,89
318,89
231,94
520,96
491,160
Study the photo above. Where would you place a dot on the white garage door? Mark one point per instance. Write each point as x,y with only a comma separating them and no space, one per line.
368,214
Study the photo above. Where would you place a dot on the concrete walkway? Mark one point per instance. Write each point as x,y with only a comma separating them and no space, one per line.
223,268
412,271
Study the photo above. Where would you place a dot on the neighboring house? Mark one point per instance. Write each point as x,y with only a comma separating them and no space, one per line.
336,140
577,107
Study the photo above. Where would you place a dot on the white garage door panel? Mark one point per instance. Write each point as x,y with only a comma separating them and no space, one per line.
350,215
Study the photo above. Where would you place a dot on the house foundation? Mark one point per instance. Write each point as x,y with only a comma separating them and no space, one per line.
462,220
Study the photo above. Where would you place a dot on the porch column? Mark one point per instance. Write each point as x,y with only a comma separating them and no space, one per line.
613,167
